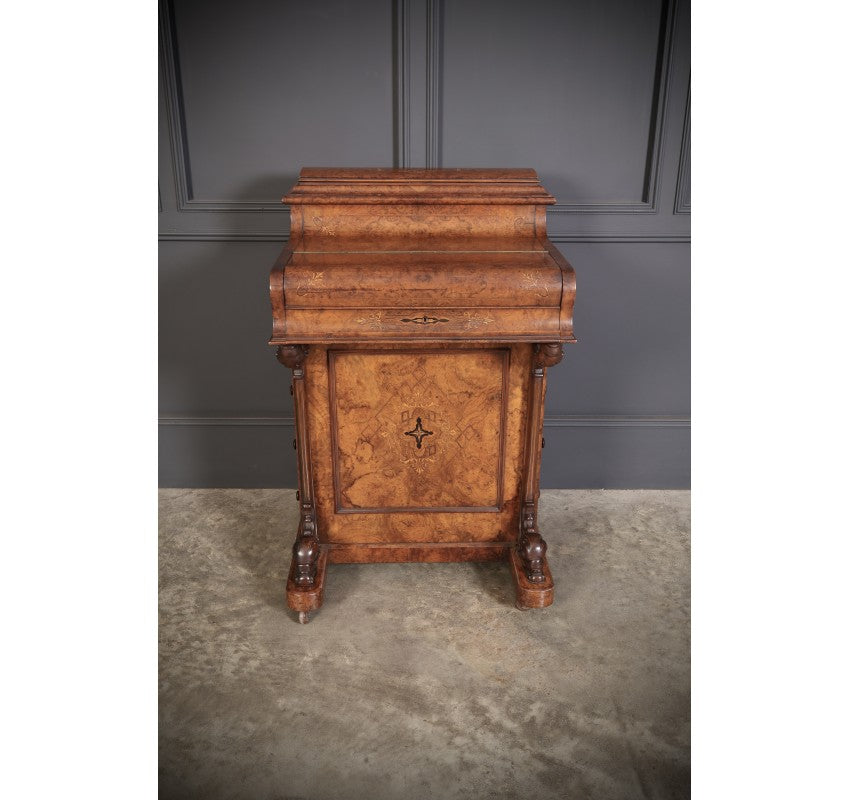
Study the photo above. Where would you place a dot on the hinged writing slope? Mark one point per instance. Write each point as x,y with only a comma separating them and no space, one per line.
419,310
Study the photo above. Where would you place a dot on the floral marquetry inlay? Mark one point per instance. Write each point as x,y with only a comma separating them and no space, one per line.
474,319
374,321
533,281
469,320
314,280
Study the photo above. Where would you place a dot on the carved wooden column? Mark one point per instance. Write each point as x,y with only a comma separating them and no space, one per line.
531,572
306,577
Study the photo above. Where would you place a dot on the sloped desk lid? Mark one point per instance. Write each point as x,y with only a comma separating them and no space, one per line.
437,255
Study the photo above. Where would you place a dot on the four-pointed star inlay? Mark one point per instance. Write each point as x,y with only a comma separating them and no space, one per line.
419,432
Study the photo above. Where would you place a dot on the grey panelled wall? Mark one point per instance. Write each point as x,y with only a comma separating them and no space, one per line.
593,94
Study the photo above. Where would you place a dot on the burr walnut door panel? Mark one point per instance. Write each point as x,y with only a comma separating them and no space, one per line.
418,431
417,445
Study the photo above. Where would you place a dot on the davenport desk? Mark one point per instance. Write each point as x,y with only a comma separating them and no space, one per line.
418,310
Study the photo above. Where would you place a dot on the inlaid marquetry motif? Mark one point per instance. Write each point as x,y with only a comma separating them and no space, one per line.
419,433
418,430
474,319
315,280
425,320
419,395
419,458
470,320
420,464
533,281
373,321
321,228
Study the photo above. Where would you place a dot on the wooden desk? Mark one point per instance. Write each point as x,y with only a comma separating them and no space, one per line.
418,310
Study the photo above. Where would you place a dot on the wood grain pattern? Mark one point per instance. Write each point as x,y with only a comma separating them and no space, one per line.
378,400
462,324
439,280
431,552
419,311
340,525
407,188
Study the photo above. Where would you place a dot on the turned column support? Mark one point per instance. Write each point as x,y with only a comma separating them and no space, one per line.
306,550
531,547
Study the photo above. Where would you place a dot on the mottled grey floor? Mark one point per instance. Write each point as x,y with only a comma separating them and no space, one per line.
421,681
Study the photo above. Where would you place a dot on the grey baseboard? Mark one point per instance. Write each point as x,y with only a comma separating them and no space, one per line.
596,452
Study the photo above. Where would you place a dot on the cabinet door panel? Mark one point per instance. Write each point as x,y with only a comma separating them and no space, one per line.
418,430
369,408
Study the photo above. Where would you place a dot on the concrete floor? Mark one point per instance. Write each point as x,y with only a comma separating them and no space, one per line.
422,681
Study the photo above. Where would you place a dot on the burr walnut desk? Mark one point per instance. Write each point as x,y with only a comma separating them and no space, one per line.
418,310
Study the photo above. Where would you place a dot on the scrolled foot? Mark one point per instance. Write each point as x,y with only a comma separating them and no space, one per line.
532,551
305,554
303,617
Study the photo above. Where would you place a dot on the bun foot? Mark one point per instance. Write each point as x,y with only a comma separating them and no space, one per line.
303,617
